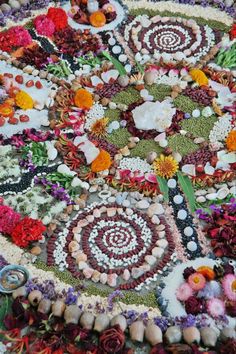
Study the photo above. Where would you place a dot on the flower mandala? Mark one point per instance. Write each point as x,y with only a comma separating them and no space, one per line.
114,245
169,38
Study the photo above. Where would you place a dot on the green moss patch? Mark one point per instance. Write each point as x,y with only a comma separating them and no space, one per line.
185,104
144,147
201,21
199,127
182,144
112,114
159,92
128,96
119,137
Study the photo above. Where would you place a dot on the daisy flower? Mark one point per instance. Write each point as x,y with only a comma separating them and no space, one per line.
165,166
216,307
184,292
196,281
229,286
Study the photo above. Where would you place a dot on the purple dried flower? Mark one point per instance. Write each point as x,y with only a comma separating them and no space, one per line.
112,297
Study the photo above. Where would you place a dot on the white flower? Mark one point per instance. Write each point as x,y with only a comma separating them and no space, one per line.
154,115
221,129
65,170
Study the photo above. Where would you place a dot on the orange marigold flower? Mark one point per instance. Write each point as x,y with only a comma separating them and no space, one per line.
199,76
97,19
102,162
24,100
231,141
83,99
207,272
6,110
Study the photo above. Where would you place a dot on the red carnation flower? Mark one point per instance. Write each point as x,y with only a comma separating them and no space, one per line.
58,17
232,32
27,231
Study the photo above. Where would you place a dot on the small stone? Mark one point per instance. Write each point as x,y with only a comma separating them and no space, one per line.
112,280
111,212
81,257
129,211
171,183
188,231
199,140
111,199
151,157
137,272
157,252
96,213
178,199
192,246
125,151
93,188
155,220
36,251
211,196
126,275
200,199
126,203
90,218
96,276
155,209
88,272
82,265
142,204
103,278
151,260
161,234
162,243
182,214
196,113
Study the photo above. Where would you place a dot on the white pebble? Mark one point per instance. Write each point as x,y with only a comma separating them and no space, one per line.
196,113
171,183
178,199
188,231
116,49
182,214
192,246
112,41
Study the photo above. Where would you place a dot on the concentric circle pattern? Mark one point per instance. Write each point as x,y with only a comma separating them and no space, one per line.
172,39
115,245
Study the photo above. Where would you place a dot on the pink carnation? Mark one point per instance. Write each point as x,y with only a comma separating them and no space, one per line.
44,25
20,36
184,292
215,307
8,219
229,286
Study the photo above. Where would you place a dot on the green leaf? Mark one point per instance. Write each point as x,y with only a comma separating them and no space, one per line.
187,188
115,62
4,309
162,182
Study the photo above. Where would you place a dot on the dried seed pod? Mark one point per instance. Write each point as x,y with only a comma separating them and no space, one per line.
72,314
58,308
136,331
173,334
191,335
87,320
119,320
35,297
101,322
209,336
153,334
44,306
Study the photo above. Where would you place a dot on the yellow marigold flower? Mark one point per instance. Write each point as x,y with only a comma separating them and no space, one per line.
98,128
24,100
231,141
199,76
165,166
102,162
